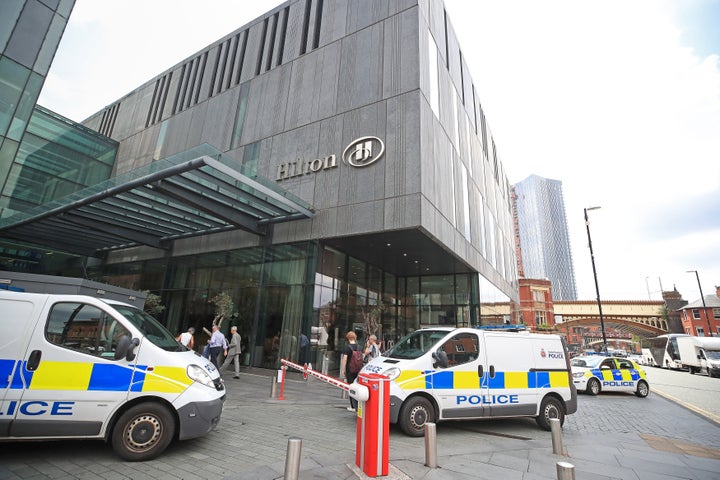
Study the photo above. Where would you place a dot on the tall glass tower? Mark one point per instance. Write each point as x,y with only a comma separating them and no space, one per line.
542,232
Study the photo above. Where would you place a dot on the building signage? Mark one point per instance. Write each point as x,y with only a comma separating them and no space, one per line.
359,153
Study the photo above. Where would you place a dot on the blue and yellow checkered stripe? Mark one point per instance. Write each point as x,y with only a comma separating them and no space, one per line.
625,374
433,379
93,377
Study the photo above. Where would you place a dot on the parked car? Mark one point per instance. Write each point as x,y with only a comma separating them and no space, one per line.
593,374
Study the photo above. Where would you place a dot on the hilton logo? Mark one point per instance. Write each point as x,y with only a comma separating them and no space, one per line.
361,152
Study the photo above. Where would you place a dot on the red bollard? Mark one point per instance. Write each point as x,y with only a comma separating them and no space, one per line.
373,426
282,384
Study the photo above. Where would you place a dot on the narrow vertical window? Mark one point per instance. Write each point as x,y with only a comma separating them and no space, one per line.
201,74
240,115
192,76
232,61
261,50
306,26
152,102
160,140
447,47
271,41
318,23
178,92
214,71
222,59
432,67
164,95
283,32
250,158
241,60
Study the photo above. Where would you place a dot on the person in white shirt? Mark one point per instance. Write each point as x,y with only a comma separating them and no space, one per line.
187,338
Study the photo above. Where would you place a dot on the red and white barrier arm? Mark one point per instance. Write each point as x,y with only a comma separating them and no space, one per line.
308,371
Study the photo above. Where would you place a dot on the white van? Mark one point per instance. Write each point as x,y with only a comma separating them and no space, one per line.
73,366
465,373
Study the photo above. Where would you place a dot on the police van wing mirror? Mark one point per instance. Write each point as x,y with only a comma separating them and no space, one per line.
126,348
440,358
131,351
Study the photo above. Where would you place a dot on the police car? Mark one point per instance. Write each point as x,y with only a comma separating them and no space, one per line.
595,373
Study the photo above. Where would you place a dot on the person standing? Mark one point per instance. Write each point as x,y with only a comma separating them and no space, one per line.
233,351
372,349
187,338
217,344
346,373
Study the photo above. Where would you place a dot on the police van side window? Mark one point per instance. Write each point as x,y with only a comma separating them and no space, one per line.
83,328
461,348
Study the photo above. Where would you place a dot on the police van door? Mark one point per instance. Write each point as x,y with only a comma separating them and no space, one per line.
511,385
17,321
72,380
458,388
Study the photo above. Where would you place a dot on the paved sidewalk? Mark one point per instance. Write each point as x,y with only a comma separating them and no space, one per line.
657,440
511,449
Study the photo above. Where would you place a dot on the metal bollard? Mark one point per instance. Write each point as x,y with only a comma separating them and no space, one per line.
430,445
565,471
292,460
273,387
556,433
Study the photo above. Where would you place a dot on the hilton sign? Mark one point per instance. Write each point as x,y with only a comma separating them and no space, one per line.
359,153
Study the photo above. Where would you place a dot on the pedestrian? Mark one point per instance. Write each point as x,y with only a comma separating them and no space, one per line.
217,344
233,351
187,338
347,373
372,349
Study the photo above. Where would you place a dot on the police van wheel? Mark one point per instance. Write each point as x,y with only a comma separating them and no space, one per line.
416,412
593,386
143,432
550,408
642,389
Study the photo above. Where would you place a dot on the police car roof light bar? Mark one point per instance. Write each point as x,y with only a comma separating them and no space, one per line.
517,327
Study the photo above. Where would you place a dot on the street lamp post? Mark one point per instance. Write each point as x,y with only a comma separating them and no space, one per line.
702,297
597,289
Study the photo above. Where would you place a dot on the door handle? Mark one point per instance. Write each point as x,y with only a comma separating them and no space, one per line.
33,360
492,371
480,371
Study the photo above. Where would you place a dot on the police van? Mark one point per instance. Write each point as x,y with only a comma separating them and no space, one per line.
74,366
465,373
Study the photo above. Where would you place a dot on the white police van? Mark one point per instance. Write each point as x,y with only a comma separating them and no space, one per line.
73,366
465,373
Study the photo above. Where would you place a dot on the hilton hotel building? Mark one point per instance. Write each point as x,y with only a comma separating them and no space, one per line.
327,167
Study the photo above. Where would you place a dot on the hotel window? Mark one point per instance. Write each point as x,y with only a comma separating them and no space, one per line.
538,296
540,317
696,313
432,66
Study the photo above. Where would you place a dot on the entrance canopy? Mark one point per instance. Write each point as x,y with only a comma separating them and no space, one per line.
197,192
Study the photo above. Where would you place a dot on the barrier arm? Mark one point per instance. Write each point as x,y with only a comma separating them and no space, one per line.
309,371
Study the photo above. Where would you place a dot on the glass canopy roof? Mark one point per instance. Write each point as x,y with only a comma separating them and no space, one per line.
193,193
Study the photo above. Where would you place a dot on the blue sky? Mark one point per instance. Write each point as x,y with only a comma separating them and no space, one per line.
618,99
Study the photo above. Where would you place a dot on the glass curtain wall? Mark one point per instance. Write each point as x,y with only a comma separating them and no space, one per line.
263,291
353,295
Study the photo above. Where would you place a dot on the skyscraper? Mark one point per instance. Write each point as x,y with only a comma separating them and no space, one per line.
542,233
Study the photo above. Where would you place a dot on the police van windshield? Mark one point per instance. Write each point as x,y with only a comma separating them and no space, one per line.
151,328
416,344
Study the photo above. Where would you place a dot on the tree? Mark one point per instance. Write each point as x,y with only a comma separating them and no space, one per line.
371,314
153,304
